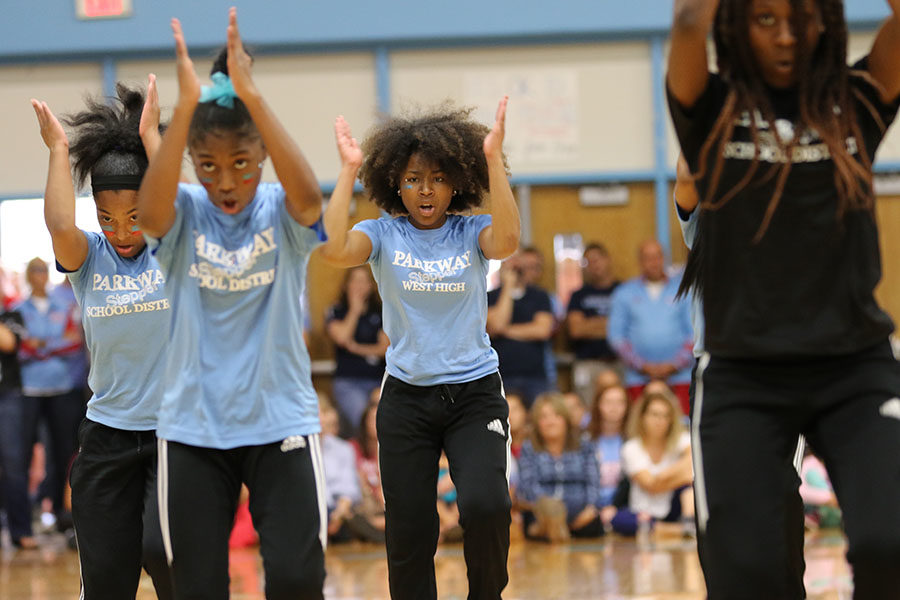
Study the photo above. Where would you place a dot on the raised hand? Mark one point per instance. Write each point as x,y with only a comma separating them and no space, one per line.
348,147
509,276
493,141
51,131
150,114
188,82
357,301
148,128
239,62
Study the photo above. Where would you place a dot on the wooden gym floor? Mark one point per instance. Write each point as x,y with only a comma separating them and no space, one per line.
607,569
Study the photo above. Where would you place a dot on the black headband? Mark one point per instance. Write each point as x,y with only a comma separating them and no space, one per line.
102,183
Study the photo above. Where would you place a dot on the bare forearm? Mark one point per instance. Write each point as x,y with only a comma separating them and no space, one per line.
7,339
342,330
337,218
59,196
653,484
895,8
688,68
884,58
695,15
588,328
537,329
676,475
152,141
302,191
156,198
500,314
69,244
375,349
504,212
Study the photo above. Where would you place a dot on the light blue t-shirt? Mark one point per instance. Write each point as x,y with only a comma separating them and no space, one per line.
608,450
125,315
434,295
238,371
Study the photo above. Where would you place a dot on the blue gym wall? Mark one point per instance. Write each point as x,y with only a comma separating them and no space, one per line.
36,29
48,31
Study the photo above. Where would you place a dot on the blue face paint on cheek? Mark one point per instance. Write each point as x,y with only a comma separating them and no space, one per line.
408,186
108,228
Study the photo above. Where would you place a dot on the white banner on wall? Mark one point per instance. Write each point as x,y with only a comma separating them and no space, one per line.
542,118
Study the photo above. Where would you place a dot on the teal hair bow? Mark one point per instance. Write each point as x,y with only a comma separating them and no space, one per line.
221,91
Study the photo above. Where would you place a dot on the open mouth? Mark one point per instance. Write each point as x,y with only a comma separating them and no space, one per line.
427,210
785,66
230,206
124,249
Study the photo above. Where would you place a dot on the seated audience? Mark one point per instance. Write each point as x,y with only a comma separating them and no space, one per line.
369,522
606,432
657,460
559,480
448,512
341,479
819,502
354,325
518,422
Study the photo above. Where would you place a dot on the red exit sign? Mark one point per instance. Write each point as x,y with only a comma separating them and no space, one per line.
102,9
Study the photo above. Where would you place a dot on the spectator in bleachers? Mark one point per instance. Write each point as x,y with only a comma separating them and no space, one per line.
606,378
518,422
819,502
651,330
559,479
354,325
341,478
587,319
77,360
50,393
13,462
657,460
9,288
520,323
531,266
606,432
369,525
447,509
579,415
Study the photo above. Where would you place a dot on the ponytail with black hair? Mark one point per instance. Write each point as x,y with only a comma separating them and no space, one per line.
106,144
210,117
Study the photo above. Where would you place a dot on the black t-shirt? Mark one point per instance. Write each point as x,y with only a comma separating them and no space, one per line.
592,302
518,358
348,364
806,288
10,377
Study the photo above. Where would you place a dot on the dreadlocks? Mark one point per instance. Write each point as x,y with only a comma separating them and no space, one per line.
824,104
822,85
